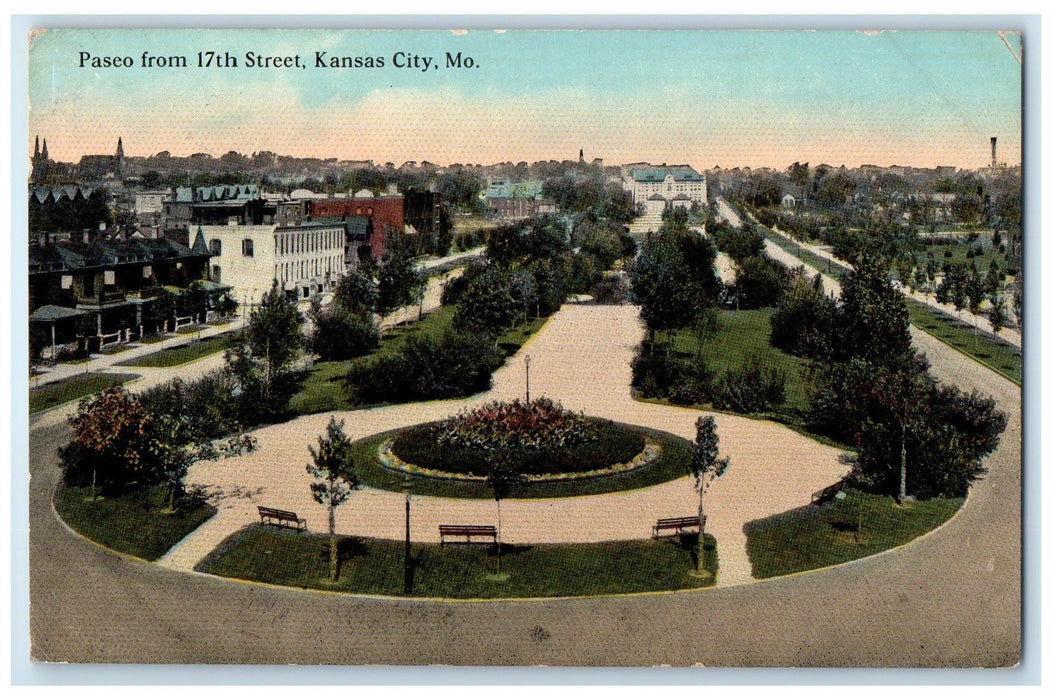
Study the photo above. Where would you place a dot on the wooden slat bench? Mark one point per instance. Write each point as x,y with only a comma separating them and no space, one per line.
467,532
678,525
282,518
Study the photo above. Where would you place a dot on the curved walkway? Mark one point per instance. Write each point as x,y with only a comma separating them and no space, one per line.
582,358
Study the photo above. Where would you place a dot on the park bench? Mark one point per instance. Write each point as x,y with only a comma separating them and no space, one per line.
822,495
283,518
678,524
467,532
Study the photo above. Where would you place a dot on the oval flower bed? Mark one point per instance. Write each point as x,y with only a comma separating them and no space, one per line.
388,459
541,439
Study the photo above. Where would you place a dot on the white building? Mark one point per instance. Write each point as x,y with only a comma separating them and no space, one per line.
306,259
664,186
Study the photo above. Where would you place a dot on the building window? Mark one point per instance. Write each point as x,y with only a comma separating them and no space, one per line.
217,276
217,246
246,247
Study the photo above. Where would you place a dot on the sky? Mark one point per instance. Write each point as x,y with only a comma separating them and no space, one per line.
707,98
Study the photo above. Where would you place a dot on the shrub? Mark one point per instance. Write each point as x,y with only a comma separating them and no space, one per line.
339,335
656,374
461,364
751,389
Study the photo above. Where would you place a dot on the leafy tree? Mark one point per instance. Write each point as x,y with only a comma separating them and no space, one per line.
673,279
356,293
112,444
806,321
740,243
460,364
504,479
400,283
159,311
599,241
759,282
274,331
705,466
332,465
193,302
178,446
123,445
974,290
340,334
876,322
495,300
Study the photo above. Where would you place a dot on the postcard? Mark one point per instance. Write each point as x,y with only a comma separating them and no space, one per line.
517,348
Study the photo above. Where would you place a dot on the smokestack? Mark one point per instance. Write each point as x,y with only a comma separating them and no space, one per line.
993,151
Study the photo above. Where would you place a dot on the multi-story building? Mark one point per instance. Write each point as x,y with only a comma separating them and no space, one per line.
658,187
305,258
102,292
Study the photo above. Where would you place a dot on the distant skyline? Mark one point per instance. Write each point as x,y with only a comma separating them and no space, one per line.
707,98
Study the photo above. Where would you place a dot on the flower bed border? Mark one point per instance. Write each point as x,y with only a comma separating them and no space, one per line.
390,462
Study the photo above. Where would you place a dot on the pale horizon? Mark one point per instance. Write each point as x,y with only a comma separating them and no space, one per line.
705,98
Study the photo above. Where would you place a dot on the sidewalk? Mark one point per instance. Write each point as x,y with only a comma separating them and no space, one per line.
100,362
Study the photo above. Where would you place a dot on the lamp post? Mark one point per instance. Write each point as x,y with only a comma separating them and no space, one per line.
527,379
407,487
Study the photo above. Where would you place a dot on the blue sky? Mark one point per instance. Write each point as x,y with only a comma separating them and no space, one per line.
756,98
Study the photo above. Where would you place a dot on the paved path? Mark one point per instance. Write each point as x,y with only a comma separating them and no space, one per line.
772,470
952,598
106,362
949,599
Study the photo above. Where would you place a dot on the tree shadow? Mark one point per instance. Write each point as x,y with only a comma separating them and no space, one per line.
508,549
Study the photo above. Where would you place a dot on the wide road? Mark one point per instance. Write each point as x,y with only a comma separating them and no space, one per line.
951,598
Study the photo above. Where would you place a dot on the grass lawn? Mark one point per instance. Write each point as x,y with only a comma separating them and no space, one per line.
959,255
981,346
134,523
813,537
58,393
268,554
824,265
672,464
742,335
322,388
181,355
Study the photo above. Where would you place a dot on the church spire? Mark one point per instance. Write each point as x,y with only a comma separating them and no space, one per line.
36,148
43,151
120,148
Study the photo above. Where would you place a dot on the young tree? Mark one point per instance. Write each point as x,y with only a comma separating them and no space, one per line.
996,314
274,331
705,466
178,447
504,478
333,466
